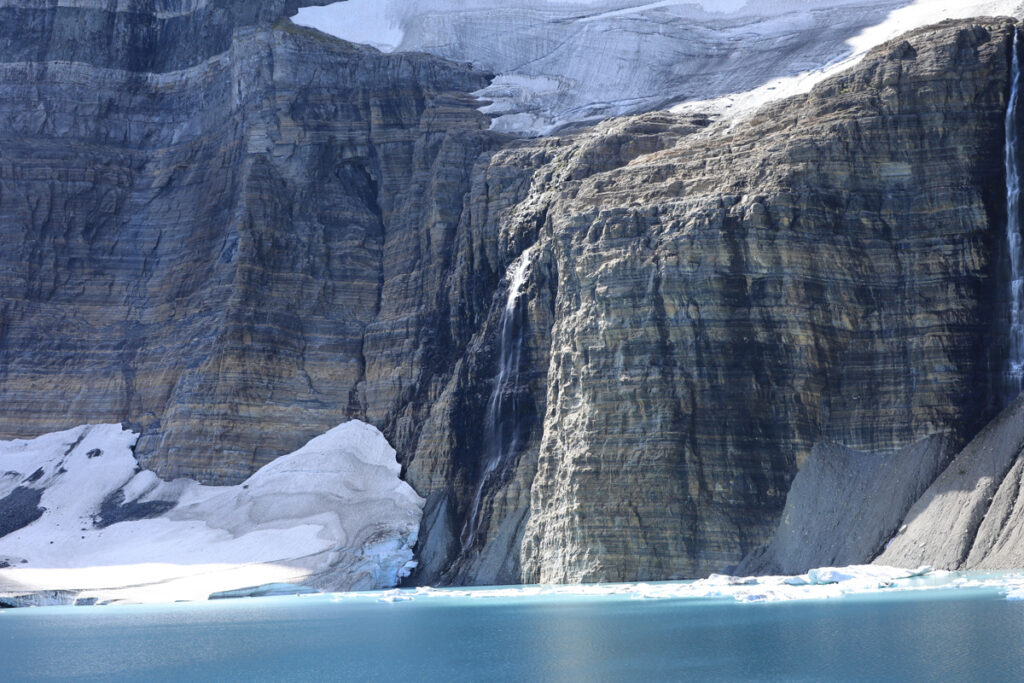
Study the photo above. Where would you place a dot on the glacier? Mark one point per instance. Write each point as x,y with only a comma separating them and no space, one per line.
80,520
564,62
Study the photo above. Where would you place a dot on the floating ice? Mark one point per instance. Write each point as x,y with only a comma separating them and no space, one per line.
81,518
821,584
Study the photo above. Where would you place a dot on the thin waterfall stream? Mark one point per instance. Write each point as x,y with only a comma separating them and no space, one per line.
506,382
1015,355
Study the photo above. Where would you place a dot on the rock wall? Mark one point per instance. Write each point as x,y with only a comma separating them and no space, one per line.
824,272
222,236
262,231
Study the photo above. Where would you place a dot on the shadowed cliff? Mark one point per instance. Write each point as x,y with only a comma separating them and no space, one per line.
202,231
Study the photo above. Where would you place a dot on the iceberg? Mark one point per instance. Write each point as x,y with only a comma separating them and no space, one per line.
80,520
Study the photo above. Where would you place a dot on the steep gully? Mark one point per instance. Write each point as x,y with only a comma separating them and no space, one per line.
501,426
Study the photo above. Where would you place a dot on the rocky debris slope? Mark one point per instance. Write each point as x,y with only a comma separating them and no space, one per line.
844,506
80,517
240,247
970,517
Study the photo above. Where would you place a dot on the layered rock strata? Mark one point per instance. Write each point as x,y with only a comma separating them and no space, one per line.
230,238
824,272
242,242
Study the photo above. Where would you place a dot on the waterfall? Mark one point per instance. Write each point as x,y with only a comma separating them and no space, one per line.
504,389
1015,355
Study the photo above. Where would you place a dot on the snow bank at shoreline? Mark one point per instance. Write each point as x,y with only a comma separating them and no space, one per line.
80,520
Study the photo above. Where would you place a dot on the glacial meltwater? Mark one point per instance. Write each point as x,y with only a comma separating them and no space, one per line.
1011,157
965,629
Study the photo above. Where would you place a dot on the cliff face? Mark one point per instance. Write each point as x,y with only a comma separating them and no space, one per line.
203,226
823,273
599,357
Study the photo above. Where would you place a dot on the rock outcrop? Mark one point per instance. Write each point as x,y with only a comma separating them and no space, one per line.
823,273
230,237
239,242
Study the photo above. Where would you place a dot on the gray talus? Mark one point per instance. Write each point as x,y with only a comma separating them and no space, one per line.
969,518
845,504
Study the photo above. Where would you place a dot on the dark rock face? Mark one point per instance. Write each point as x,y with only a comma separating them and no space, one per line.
19,508
235,238
113,509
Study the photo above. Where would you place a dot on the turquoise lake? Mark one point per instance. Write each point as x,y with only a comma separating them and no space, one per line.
932,635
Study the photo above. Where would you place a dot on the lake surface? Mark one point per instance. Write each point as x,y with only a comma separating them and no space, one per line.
926,635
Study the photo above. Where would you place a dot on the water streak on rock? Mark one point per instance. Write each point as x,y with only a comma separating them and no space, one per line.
1015,358
497,429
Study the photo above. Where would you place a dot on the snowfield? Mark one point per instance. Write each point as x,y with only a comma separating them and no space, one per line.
78,516
559,62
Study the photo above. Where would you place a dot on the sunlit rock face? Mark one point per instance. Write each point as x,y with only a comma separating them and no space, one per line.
80,516
706,303
823,272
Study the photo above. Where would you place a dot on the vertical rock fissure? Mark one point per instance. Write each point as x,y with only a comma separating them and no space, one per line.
500,419
1015,355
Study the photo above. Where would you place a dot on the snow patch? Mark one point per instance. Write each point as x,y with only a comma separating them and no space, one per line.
333,515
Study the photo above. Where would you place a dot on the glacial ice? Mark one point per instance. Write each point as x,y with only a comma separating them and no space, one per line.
559,62
333,515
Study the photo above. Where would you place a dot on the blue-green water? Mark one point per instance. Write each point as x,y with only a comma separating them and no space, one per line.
934,635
